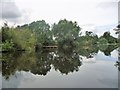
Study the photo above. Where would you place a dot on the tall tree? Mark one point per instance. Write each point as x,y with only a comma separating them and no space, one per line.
65,29
65,33
42,32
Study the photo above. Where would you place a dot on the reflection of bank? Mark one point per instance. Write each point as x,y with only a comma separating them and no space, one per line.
119,66
118,70
14,81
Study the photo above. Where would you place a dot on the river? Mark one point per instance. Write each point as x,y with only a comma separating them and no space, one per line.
88,68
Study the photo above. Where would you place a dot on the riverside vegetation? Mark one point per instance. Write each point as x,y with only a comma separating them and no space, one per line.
64,34
29,40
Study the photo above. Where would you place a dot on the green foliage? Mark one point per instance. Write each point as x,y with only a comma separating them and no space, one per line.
24,39
5,33
107,49
63,60
40,63
103,41
89,39
16,61
7,45
42,32
7,42
15,39
87,51
103,47
65,34
66,30
109,38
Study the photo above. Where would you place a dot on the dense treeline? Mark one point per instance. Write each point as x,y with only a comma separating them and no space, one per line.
65,34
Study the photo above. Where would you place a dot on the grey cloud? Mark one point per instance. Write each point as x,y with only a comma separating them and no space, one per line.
9,10
107,5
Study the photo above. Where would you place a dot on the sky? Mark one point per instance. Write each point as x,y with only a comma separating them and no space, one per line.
119,11
87,13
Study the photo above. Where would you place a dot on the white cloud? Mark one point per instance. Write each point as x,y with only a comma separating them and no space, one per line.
119,11
82,11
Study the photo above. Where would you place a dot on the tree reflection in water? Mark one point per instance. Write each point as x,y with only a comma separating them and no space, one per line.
107,49
64,61
43,63
118,62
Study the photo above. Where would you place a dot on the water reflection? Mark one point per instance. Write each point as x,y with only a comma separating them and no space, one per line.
43,63
66,61
88,51
118,62
40,63
107,49
118,65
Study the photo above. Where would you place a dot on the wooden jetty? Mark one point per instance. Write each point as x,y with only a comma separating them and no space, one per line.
50,47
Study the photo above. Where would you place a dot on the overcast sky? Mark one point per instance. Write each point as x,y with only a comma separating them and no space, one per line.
95,12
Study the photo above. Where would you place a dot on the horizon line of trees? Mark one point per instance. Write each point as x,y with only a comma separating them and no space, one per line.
65,34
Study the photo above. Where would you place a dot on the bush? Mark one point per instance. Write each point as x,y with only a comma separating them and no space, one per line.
7,45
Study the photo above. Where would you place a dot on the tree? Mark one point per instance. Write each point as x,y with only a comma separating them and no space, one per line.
65,33
5,32
107,49
109,38
15,39
117,29
23,39
89,33
106,34
103,41
65,29
42,32
88,39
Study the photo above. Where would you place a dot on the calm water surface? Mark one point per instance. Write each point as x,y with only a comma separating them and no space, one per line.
88,68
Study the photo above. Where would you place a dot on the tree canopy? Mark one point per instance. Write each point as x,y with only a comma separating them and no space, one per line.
66,29
65,34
